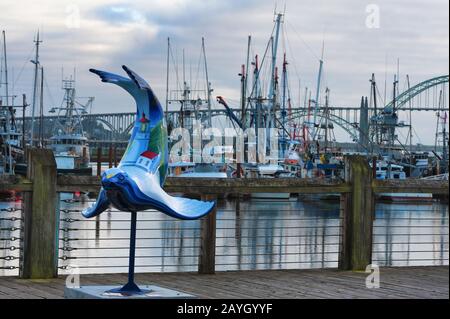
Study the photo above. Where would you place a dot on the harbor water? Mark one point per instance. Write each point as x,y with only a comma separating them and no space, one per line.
303,232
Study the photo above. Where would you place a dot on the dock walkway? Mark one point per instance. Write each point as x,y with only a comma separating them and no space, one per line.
404,282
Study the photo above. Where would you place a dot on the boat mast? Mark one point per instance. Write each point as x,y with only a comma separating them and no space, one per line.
5,63
208,85
438,114
375,106
394,101
257,98
316,102
327,93
272,87
35,84
442,121
283,112
245,81
444,134
183,101
6,133
244,76
410,124
308,135
5,103
41,112
167,79
24,105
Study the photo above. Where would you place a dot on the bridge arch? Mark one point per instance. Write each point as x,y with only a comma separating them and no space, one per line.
350,128
407,95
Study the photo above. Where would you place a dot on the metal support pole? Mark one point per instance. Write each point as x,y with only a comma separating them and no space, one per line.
130,287
131,259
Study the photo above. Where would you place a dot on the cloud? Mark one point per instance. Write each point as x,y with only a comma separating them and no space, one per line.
112,33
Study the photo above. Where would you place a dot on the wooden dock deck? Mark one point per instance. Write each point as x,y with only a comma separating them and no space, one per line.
404,282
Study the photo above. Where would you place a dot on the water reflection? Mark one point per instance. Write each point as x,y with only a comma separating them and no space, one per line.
282,234
261,234
411,235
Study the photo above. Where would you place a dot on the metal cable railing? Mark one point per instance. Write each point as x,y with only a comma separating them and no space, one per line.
167,244
10,238
284,235
280,241
259,236
101,244
411,237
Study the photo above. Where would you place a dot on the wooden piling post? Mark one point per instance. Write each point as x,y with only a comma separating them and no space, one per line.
374,167
358,213
99,161
84,152
40,218
110,156
238,170
115,156
207,257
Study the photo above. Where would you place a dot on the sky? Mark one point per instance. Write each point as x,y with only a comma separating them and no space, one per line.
78,35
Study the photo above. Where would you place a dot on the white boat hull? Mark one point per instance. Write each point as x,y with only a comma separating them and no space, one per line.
271,195
406,196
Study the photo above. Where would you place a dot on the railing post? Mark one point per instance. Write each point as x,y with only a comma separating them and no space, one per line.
358,212
40,218
207,257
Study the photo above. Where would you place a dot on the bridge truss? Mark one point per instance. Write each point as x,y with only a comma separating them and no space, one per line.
117,126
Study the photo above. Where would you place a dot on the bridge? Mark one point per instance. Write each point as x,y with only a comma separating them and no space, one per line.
424,96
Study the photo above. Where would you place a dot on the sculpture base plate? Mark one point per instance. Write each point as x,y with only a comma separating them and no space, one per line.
104,292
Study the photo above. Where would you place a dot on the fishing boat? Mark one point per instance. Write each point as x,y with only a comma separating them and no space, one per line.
69,143
293,153
192,99
189,169
386,170
269,171
11,137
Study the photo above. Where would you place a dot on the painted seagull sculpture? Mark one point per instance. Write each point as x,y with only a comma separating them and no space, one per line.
136,184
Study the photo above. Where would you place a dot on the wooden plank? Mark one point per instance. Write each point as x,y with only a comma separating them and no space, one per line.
15,182
253,185
35,289
217,185
411,186
402,282
261,185
74,183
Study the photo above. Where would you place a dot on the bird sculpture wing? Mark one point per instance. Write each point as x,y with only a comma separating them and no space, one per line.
149,132
101,204
147,146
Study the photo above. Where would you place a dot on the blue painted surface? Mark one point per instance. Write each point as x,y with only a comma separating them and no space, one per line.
136,184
